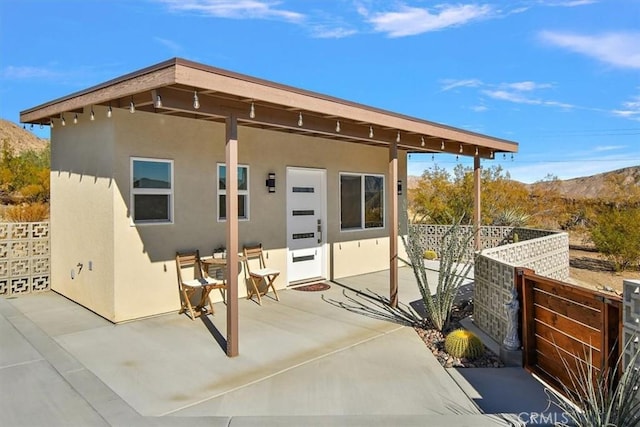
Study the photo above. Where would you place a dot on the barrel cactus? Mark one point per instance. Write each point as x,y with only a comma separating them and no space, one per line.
462,343
430,255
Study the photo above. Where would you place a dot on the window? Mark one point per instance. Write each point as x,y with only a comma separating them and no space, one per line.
361,201
243,192
151,190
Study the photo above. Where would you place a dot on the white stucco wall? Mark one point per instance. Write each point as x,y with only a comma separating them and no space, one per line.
140,278
82,186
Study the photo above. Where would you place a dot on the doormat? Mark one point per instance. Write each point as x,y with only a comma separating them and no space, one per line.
314,287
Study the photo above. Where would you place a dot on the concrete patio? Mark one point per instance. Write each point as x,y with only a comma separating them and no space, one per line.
302,361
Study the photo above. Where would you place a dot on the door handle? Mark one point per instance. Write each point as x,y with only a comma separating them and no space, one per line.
320,230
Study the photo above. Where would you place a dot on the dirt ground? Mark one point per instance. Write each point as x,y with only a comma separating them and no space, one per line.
592,270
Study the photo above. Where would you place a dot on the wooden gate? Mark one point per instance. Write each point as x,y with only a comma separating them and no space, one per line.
564,322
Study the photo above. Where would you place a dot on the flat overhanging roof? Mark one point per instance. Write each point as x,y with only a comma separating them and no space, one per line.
268,105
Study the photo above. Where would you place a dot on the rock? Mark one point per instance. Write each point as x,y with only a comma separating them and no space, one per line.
434,340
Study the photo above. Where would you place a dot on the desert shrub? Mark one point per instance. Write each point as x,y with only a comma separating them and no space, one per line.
430,255
25,174
463,343
616,234
30,212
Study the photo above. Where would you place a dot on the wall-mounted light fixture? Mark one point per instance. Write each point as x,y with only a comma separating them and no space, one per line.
399,188
271,182
196,100
252,111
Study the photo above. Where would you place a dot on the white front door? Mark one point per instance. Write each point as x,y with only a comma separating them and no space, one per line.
306,224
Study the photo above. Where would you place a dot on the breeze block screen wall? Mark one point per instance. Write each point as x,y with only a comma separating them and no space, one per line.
24,257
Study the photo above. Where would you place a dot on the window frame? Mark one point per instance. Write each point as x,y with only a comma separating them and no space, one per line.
362,176
246,193
152,191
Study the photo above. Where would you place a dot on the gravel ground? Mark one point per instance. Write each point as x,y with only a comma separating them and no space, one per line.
434,340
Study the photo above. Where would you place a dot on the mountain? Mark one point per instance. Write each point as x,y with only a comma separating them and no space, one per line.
594,186
587,187
19,138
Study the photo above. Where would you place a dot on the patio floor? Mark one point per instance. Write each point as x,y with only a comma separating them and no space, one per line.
300,357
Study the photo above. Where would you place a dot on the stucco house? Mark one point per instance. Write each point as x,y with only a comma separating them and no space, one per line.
183,155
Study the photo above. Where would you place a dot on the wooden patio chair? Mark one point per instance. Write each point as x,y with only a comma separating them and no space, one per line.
260,278
200,281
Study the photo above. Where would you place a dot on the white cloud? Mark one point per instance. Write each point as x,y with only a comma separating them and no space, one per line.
527,86
630,109
452,84
27,72
602,148
169,44
522,93
568,3
235,9
323,32
620,49
559,104
515,97
409,21
517,92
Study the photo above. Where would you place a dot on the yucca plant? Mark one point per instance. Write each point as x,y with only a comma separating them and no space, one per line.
596,399
454,267
512,218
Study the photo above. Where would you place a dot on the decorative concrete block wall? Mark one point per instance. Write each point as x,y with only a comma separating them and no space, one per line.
493,281
24,257
546,252
631,320
429,236
494,273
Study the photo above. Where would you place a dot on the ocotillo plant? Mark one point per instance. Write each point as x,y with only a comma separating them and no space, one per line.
454,267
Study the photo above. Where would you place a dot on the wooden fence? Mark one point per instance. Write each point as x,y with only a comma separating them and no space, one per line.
567,328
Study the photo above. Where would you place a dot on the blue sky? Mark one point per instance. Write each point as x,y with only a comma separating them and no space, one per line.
560,77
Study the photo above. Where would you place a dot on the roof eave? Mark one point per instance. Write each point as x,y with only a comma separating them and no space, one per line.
202,77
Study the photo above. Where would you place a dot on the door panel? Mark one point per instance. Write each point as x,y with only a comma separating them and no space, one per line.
306,201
